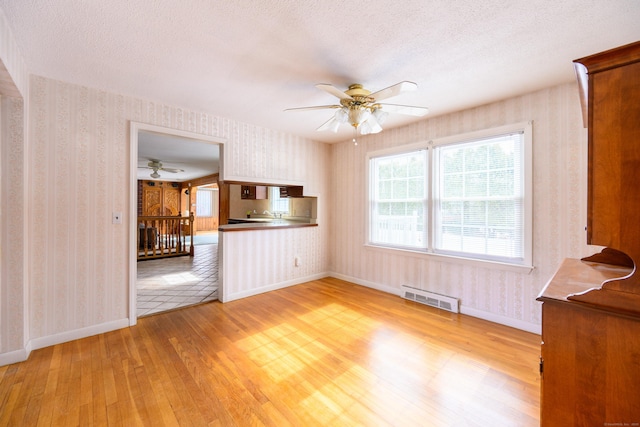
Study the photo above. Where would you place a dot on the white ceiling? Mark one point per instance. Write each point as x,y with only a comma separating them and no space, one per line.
248,60
195,158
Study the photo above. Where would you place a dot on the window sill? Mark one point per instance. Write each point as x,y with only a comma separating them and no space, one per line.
515,268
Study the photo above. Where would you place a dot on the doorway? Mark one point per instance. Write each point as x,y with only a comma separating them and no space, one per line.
169,158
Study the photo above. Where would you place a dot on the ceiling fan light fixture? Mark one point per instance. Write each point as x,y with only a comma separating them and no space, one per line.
358,115
155,174
342,115
380,115
333,126
370,126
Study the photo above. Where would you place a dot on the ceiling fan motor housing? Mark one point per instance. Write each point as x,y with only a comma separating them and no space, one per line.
356,90
358,115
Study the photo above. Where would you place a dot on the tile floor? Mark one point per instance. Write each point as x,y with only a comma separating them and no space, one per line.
169,283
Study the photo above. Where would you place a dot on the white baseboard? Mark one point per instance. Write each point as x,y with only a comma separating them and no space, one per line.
502,320
251,292
77,334
373,285
469,311
14,356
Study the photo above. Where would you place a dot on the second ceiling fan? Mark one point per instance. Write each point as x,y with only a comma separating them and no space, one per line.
156,165
362,109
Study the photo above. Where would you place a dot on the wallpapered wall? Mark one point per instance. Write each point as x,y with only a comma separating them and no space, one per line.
559,215
13,90
12,245
12,58
79,169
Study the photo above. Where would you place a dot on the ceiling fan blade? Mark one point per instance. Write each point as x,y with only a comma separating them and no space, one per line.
333,91
172,170
332,124
394,90
408,110
318,107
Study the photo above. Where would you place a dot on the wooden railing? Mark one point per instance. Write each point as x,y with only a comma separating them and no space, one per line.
164,236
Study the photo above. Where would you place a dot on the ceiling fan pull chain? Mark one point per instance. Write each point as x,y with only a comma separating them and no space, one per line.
355,134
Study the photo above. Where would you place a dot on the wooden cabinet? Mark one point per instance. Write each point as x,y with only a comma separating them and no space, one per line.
253,192
291,191
159,198
613,111
590,357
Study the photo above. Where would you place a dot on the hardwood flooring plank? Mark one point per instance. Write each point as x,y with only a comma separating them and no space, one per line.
327,352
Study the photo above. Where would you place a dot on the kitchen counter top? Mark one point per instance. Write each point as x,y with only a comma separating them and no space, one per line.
254,219
248,224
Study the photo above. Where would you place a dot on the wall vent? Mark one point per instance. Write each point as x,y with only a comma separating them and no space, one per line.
430,298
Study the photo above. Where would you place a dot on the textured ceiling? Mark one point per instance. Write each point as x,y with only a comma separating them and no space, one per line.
248,59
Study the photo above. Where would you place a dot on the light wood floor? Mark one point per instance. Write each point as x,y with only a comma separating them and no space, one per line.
323,353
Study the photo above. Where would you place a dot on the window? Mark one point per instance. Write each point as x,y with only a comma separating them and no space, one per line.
204,202
399,199
467,196
276,203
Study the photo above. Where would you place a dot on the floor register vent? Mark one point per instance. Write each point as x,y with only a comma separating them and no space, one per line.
430,298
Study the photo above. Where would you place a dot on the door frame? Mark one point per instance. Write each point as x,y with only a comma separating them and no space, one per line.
135,128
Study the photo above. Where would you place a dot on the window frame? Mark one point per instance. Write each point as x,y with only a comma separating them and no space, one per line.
525,265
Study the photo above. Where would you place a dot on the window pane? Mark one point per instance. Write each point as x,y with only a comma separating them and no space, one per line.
475,184
278,204
416,188
453,186
399,189
398,200
452,161
481,208
386,190
475,158
203,202
502,182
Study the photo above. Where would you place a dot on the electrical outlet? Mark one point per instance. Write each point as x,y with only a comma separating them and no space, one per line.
117,218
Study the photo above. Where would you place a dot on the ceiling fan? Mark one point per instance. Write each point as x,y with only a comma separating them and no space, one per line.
362,109
156,165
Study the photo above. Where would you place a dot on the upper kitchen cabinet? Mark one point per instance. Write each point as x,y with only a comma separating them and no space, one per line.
253,192
291,191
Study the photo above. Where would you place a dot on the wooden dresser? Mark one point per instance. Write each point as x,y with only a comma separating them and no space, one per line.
590,356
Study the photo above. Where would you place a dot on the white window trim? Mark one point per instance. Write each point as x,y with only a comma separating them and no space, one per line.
527,265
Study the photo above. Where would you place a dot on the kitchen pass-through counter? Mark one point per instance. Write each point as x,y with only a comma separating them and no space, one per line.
266,254
248,224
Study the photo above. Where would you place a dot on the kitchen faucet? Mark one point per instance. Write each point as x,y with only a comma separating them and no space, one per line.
275,214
